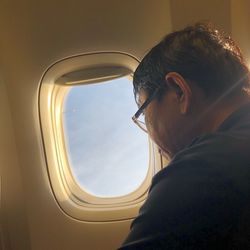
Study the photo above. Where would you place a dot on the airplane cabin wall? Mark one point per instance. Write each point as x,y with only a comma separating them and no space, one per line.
197,11
33,36
14,227
240,16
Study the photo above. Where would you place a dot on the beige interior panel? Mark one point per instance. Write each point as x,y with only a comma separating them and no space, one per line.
13,218
185,13
35,35
240,16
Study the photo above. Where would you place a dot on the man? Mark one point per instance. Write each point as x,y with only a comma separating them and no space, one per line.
192,90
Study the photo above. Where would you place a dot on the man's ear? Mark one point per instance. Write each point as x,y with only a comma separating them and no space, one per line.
182,89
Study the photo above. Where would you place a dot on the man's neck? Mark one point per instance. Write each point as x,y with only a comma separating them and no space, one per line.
218,113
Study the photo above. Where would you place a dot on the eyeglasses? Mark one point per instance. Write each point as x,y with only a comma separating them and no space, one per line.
139,118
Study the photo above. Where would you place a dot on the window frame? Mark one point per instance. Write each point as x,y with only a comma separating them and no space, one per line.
69,195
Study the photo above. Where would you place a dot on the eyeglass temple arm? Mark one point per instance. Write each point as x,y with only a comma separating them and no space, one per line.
145,104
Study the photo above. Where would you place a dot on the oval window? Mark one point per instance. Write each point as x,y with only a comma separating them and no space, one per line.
107,153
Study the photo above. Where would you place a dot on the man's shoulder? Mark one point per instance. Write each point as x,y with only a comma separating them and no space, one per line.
221,154
199,198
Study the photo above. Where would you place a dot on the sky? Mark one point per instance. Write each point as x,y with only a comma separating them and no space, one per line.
107,152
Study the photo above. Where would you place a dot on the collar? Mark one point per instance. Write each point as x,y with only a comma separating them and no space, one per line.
242,113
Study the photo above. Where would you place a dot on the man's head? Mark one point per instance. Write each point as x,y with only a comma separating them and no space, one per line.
193,74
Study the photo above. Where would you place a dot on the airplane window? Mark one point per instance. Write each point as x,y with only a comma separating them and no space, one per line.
107,153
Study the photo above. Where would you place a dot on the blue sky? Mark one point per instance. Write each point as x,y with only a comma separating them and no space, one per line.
108,153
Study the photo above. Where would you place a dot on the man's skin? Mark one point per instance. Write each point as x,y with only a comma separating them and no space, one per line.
184,112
